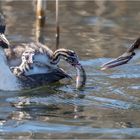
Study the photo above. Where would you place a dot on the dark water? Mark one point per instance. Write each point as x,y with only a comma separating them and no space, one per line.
109,106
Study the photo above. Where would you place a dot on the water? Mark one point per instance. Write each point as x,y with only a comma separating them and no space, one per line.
109,105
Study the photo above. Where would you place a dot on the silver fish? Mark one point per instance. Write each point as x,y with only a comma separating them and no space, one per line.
80,77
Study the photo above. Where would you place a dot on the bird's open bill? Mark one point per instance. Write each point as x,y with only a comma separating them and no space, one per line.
123,59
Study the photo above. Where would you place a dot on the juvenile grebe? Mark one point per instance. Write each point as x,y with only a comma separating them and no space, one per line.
34,64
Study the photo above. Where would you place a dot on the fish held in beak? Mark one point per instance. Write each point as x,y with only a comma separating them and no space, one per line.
80,76
80,72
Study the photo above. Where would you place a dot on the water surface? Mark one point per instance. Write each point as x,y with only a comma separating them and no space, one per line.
109,105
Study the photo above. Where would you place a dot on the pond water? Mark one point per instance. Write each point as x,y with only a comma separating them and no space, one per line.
109,105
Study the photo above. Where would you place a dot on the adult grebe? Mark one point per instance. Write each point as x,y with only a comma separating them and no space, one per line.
124,58
35,64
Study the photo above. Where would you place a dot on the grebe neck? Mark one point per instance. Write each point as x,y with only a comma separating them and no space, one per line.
59,54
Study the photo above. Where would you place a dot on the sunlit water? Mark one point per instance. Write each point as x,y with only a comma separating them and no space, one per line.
109,105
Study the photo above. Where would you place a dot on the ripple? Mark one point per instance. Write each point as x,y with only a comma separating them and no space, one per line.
113,103
135,87
128,76
79,100
97,20
71,129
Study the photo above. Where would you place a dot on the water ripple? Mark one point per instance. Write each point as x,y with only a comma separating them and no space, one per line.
82,101
60,128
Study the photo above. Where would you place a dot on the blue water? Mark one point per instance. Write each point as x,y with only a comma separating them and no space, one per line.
109,105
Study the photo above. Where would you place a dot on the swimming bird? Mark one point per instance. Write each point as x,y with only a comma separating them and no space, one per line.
124,58
34,64
37,75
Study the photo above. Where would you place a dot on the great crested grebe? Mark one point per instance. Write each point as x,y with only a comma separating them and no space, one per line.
124,58
34,64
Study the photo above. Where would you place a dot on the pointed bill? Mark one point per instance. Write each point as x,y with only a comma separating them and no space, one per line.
121,60
4,41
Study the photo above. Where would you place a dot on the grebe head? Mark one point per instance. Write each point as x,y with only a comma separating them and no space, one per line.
72,58
4,43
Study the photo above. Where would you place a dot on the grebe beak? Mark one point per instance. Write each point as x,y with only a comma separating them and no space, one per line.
3,41
121,60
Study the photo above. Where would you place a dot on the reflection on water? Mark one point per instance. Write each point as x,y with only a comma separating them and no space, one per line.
109,106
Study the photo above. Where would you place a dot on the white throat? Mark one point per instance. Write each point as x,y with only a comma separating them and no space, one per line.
8,81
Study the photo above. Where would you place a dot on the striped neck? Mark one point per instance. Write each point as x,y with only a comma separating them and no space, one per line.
60,54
